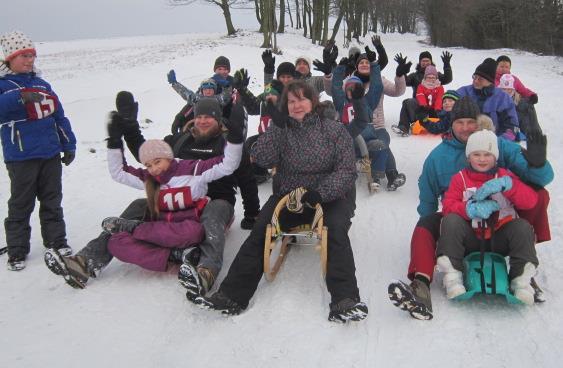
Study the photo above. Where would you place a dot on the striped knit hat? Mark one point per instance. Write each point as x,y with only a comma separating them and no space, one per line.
16,43
451,94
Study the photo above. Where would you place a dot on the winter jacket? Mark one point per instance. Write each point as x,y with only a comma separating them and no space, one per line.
429,97
316,154
391,89
449,157
415,78
443,124
224,85
32,130
495,103
518,86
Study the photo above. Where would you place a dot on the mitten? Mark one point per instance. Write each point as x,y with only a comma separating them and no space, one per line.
247,223
330,53
322,67
481,209
115,131
536,152
68,157
372,56
171,77
235,124
493,186
126,106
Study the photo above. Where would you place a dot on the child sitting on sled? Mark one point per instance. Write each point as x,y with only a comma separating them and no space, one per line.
485,192
442,122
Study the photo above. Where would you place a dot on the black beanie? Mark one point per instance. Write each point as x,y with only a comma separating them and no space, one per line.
360,58
424,55
222,61
285,68
487,69
465,108
208,106
504,58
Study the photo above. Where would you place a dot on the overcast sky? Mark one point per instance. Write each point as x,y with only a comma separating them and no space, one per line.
57,20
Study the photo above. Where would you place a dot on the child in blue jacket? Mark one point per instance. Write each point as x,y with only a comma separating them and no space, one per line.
34,132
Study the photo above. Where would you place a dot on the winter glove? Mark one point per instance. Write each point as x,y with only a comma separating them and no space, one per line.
68,157
269,62
241,79
403,67
350,64
28,96
247,223
171,77
533,99
126,106
536,152
493,186
446,57
235,124
372,55
279,118
383,60
115,131
330,53
481,209
322,67
311,198
358,91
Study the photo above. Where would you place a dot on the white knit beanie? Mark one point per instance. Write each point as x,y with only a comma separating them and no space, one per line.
153,149
483,140
15,43
303,58
506,81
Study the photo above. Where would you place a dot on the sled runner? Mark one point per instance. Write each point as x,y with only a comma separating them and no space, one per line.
364,164
279,236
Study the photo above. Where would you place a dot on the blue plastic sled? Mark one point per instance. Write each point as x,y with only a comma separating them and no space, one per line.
473,272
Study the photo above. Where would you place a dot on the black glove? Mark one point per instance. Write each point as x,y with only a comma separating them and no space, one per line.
350,65
536,152
269,62
446,57
376,41
126,106
323,67
115,131
247,223
241,79
279,118
235,124
311,198
358,91
403,67
28,96
372,55
330,53
533,99
383,60
68,157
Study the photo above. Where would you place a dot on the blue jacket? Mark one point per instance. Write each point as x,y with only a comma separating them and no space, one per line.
371,98
449,157
25,137
495,103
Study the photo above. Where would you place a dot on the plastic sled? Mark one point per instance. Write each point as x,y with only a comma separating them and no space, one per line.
473,271
277,241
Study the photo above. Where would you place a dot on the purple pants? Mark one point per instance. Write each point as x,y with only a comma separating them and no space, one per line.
150,243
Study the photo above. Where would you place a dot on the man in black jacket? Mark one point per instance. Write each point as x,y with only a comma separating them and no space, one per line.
201,141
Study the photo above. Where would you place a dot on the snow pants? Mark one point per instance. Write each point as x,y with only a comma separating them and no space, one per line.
427,232
31,179
408,113
382,159
248,266
514,239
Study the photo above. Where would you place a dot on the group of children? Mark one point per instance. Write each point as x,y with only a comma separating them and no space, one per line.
35,132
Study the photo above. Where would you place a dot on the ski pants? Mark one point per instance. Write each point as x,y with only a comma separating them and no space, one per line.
514,239
427,232
408,113
31,179
248,266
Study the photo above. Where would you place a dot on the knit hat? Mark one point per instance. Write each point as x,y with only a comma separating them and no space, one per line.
504,58
451,94
153,149
222,61
482,140
285,68
465,108
487,69
208,84
274,88
506,81
430,70
208,106
305,59
353,51
360,58
424,55
351,81
15,43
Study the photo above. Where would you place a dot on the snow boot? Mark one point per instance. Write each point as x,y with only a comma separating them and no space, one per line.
453,279
521,287
197,281
413,298
221,303
16,263
400,130
539,296
395,180
347,310
182,255
63,249
74,269
114,225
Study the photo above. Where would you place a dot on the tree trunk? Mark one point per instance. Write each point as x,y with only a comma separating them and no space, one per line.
258,10
266,24
326,15
281,27
289,12
297,15
227,13
338,20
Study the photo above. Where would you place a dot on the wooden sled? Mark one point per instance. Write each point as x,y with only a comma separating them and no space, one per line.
276,245
364,164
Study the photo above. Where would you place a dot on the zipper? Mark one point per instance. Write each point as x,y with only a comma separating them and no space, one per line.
20,144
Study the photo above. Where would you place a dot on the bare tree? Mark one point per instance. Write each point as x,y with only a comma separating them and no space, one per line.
225,6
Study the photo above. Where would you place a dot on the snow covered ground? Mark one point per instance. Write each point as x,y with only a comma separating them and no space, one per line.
135,318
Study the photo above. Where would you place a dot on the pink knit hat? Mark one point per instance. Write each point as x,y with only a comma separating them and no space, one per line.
506,81
430,70
153,149
15,43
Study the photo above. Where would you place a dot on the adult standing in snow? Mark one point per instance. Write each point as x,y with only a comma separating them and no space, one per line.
442,163
410,105
203,141
317,154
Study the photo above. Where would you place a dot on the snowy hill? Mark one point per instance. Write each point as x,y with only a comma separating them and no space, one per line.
135,318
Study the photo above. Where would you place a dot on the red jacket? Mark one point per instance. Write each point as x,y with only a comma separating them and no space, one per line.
518,86
431,97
